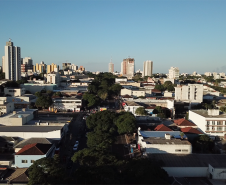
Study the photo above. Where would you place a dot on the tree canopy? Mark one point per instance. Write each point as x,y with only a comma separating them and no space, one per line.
141,111
46,171
126,123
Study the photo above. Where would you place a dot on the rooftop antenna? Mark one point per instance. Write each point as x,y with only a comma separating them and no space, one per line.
10,39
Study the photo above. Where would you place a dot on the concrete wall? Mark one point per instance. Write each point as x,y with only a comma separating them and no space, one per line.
187,171
19,158
14,92
25,135
126,91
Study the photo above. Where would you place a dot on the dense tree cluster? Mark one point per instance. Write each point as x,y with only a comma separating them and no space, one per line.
140,111
102,87
168,85
43,101
162,113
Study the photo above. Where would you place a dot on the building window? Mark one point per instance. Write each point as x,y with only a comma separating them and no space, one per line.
213,122
219,128
213,128
177,150
184,150
24,161
32,161
218,123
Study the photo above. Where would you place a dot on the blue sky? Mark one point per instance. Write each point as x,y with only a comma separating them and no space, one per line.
189,34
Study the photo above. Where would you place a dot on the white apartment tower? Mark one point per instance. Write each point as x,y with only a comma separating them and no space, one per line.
12,62
174,73
189,93
148,68
128,67
111,67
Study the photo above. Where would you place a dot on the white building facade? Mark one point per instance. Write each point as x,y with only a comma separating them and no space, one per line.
148,68
209,121
12,62
189,93
174,72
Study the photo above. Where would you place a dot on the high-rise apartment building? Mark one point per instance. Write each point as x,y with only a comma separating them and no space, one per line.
66,65
12,62
111,67
40,68
148,68
50,68
128,67
26,64
174,73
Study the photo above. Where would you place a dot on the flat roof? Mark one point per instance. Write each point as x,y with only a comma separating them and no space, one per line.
29,128
204,113
160,134
191,160
163,141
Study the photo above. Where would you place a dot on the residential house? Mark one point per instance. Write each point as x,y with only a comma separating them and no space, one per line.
25,157
183,123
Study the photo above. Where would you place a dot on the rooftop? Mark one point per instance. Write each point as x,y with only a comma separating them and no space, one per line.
162,127
29,128
183,122
34,149
191,160
25,142
163,141
204,113
190,130
147,134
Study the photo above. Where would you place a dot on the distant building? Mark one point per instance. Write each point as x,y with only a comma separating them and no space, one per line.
65,65
128,67
50,68
189,93
27,64
12,62
111,67
148,68
208,73
40,68
174,72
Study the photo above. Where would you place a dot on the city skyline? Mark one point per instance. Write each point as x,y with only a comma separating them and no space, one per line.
187,34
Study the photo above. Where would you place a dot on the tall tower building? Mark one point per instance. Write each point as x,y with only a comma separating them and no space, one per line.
12,62
128,67
148,68
111,67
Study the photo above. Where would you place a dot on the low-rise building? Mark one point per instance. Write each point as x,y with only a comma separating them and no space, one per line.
163,142
6,107
68,104
34,87
12,91
25,157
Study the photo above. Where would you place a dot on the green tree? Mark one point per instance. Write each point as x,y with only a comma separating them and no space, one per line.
157,110
99,140
141,111
144,171
170,88
204,144
126,123
43,102
92,99
46,171
160,87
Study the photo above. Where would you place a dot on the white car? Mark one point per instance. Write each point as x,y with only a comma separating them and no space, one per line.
75,148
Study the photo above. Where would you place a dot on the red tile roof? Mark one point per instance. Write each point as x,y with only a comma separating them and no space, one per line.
162,127
34,149
183,122
190,130
155,91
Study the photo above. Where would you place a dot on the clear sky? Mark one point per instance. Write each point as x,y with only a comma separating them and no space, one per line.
189,34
